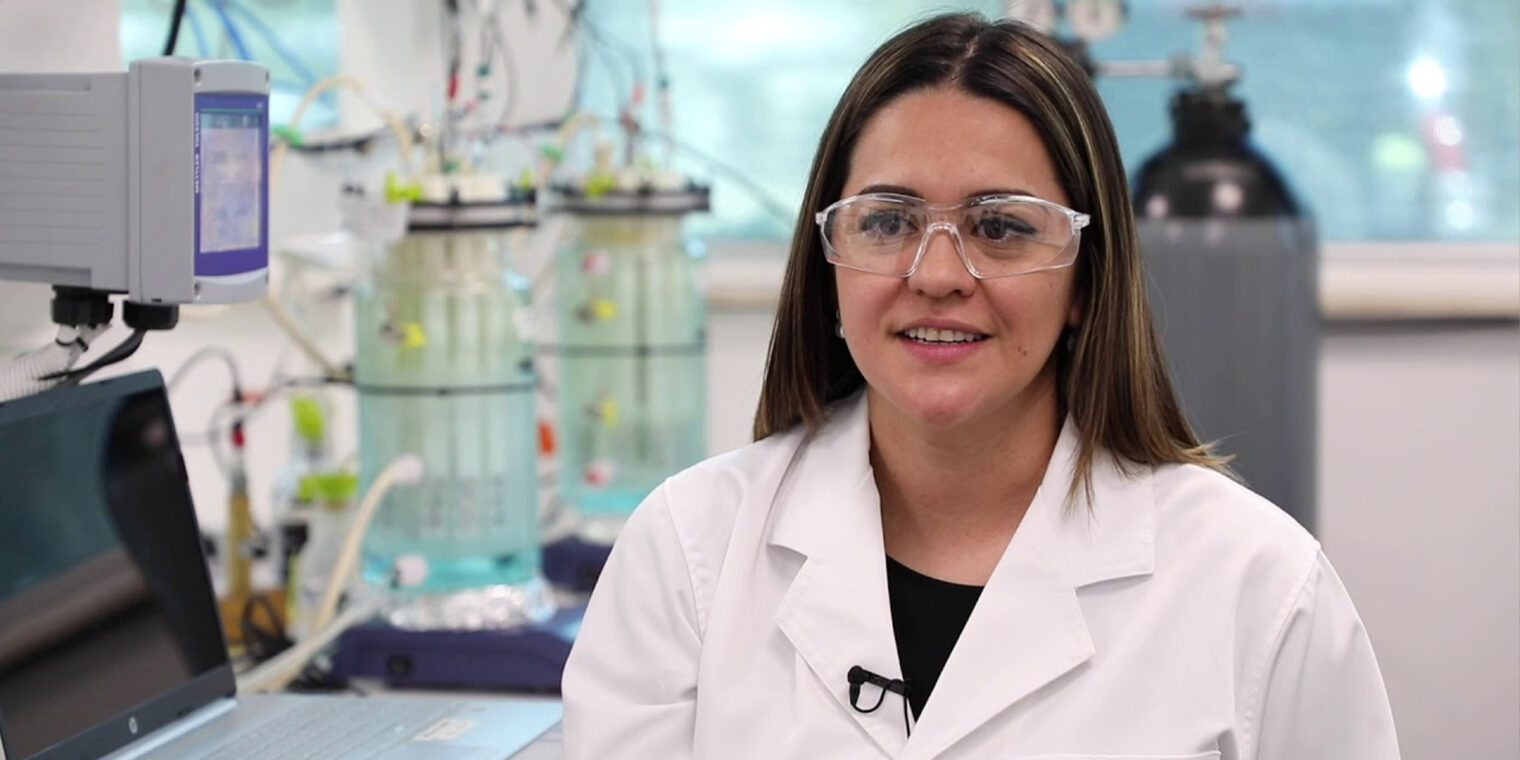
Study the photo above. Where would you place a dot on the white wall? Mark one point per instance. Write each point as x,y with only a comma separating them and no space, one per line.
49,36
1420,495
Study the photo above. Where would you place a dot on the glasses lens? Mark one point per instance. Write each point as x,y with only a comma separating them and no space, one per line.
1014,237
874,234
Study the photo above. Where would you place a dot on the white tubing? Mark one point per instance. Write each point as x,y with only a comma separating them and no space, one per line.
406,469
278,672
23,375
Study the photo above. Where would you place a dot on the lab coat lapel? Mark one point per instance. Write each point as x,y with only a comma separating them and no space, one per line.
1027,629
836,612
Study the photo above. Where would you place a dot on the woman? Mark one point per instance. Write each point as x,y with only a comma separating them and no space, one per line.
975,522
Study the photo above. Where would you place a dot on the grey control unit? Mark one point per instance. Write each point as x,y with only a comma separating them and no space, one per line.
152,182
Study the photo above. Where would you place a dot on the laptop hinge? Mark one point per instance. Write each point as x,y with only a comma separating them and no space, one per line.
175,730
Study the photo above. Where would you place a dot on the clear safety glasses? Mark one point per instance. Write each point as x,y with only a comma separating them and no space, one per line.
996,235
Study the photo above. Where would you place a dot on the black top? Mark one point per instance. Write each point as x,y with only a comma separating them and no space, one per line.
927,617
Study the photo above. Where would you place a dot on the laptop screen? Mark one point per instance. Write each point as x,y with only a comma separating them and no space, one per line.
105,602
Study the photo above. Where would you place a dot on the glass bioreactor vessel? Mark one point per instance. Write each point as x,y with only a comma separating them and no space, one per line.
445,371
630,348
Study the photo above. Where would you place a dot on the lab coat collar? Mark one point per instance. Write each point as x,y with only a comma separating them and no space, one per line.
836,612
1026,631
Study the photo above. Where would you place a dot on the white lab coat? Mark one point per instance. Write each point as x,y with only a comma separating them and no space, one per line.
1181,617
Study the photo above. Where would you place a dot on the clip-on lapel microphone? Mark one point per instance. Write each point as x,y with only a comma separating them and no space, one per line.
859,675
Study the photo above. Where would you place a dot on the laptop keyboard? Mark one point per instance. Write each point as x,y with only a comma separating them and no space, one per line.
330,728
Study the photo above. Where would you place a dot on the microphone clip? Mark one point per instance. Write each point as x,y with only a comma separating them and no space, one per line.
858,676
899,686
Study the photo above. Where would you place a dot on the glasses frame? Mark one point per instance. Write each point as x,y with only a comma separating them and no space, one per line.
1079,221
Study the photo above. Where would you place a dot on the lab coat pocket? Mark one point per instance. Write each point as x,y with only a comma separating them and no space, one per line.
1212,755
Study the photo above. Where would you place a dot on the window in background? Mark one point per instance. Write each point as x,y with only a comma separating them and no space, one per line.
1392,119
296,39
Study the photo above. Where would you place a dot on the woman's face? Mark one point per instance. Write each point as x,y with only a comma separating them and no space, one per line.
945,146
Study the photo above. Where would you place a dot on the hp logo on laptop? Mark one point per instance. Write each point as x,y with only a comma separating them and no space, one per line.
132,725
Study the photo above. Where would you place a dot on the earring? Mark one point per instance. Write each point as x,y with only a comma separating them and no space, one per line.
838,325
1071,339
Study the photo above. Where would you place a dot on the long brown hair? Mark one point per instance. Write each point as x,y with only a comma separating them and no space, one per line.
1114,381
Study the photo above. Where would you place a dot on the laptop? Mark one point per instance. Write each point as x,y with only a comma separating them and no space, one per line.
110,642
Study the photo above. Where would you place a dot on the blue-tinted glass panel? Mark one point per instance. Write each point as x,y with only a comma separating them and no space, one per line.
1392,119
296,39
